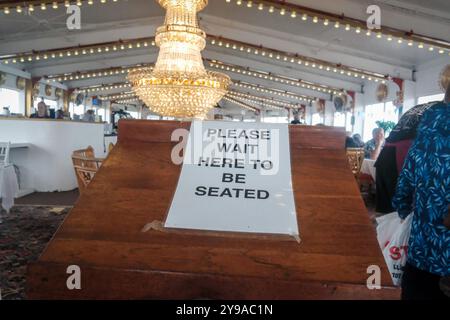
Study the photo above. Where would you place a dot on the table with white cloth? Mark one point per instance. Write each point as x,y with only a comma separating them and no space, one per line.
8,186
368,167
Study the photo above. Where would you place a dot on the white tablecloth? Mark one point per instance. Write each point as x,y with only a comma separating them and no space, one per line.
8,186
368,167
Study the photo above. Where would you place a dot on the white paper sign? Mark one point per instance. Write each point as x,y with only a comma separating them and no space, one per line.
235,177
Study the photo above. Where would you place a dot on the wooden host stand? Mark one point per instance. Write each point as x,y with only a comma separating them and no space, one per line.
103,233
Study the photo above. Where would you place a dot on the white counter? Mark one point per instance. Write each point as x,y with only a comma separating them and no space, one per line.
46,165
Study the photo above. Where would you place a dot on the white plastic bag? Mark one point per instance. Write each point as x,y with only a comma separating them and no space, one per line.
393,237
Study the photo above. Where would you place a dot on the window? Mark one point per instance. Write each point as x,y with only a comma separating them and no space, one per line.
10,99
316,119
101,113
76,110
339,119
275,119
434,97
348,122
378,112
134,114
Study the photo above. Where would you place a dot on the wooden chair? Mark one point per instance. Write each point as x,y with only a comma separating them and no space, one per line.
86,166
355,158
110,147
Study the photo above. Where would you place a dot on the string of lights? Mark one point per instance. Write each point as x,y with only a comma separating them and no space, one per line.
273,77
277,92
103,87
292,11
294,58
285,9
81,50
259,99
239,103
134,44
8,7
261,104
123,95
125,101
81,75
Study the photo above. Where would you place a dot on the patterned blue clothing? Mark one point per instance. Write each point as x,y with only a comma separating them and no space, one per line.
423,189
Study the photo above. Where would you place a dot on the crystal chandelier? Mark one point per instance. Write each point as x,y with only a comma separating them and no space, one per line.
179,86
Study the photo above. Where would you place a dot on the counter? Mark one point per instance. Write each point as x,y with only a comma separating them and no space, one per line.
46,165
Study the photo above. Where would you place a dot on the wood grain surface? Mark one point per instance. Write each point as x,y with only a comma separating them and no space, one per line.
103,233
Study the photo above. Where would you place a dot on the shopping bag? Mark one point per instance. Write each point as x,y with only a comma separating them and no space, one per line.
393,237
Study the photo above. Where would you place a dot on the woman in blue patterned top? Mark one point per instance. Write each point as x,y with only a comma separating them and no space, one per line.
423,189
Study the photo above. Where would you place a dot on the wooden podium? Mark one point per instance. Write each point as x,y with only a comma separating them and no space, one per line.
103,233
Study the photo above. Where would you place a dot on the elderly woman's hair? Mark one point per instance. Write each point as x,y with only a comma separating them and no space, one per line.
376,130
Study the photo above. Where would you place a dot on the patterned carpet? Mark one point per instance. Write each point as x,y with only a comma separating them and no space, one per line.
24,233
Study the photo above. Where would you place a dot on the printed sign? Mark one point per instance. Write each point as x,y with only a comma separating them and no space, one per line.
235,177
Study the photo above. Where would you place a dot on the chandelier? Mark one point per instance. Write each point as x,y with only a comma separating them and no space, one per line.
179,86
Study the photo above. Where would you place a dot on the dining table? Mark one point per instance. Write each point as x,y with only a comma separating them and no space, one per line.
368,167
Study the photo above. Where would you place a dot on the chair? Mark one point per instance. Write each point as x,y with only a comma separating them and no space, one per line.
86,166
110,147
4,153
355,158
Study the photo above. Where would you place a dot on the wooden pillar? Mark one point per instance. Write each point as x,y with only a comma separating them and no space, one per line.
28,97
66,95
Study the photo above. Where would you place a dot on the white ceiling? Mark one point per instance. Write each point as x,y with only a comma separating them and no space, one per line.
139,18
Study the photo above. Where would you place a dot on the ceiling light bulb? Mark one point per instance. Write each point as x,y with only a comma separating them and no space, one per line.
304,17
337,25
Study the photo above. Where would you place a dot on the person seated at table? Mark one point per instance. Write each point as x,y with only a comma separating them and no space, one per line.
373,147
357,139
60,115
296,119
89,116
42,111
